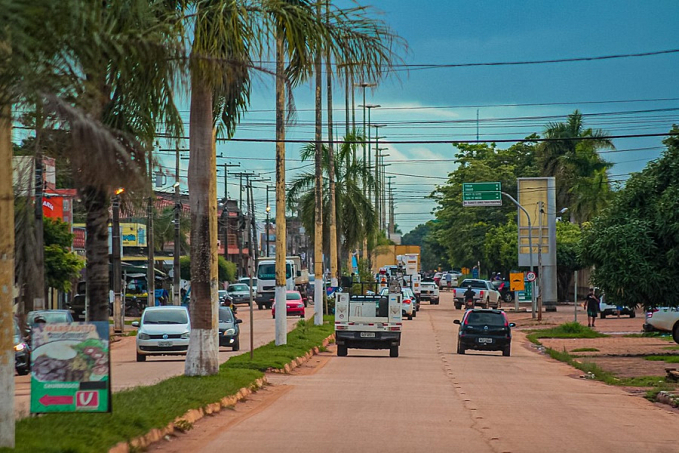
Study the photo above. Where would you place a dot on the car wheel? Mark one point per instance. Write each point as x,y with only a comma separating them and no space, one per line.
410,317
507,351
23,371
302,316
393,351
341,351
632,314
675,333
460,348
487,305
458,306
141,358
603,315
236,345
414,313
260,306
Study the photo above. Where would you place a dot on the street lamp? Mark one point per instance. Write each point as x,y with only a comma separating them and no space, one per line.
366,155
383,201
377,167
268,210
118,312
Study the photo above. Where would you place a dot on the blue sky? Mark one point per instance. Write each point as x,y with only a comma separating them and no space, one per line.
439,32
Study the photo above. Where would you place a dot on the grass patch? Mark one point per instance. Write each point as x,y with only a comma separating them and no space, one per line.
663,358
300,340
672,348
137,411
660,335
567,330
585,350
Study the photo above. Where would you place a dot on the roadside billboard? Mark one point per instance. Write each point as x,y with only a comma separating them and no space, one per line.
70,367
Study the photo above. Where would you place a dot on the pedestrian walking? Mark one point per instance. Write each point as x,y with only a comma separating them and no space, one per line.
592,307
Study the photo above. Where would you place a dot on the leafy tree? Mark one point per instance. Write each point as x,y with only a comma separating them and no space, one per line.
432,255
61,265
634,245
227,269
163,229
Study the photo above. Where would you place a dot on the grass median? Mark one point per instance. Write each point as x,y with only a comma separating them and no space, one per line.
139,410
567,330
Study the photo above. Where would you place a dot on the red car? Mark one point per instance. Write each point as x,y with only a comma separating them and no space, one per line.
294,303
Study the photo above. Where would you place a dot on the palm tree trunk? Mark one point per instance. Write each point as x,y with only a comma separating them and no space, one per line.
318,197
202,357
6,281
334,269
281,250
96,201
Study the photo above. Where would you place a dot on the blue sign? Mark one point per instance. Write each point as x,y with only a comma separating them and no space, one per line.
475,272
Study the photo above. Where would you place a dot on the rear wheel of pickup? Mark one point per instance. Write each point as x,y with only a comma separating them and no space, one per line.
393,351
460,348
507,351
675,333
341,351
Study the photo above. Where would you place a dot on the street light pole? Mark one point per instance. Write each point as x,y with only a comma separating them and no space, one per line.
530,247
118,312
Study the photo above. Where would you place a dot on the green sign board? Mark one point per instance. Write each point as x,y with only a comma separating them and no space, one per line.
70,367
527,295
481,194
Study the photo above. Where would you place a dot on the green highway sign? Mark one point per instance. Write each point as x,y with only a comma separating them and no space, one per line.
481,194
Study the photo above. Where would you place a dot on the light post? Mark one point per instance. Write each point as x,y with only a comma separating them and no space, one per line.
366,155
378,181
268,210
364,85
118,311
382,204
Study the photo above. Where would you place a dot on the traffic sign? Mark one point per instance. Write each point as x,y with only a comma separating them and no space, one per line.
516,281
481,194
530,276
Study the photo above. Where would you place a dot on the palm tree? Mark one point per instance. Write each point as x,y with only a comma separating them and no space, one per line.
558,156
356,218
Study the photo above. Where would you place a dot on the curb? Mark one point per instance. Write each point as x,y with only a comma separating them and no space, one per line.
301,360
189,418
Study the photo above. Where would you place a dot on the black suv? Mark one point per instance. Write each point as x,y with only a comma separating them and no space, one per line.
486,330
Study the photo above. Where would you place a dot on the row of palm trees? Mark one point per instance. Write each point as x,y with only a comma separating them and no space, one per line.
108,72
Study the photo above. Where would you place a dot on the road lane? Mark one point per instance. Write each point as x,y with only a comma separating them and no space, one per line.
432,399
126,372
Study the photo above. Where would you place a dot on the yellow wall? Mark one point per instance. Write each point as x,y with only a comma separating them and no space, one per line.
386,255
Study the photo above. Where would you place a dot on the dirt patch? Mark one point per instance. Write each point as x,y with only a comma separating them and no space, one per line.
629,366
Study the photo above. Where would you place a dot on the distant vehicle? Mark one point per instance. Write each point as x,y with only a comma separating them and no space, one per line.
663,319
163,331
266,281
485,330
246,280
606,309
22,352
229,331
486,295
437,278
368,322
294,305
408,302
50,316
240,293
430,292
225,299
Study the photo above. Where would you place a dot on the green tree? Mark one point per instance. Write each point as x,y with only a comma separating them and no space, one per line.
633,245
227,269
570,155
61,265
432,255
163,229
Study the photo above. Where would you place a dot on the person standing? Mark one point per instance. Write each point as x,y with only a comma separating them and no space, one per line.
592,307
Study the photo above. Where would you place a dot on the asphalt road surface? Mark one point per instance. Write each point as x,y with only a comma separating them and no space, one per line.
433,400
126,372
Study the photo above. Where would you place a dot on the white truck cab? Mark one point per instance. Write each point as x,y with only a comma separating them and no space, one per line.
368,322
266,281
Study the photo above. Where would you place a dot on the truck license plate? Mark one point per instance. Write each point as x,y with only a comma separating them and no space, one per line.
164,344
485,340
367,334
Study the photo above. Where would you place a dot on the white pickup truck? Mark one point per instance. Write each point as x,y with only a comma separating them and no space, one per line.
368,322
485,295
663,319
430,292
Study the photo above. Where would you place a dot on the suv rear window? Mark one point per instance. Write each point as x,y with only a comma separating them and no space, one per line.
485,319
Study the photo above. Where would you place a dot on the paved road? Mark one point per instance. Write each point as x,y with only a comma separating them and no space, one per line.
127,372
431,399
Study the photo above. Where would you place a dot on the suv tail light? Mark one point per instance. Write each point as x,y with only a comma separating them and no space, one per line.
649,313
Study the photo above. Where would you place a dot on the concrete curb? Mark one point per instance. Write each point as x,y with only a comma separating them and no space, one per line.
184,422
301,360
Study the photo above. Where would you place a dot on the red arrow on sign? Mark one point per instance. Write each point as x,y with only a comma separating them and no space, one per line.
48,400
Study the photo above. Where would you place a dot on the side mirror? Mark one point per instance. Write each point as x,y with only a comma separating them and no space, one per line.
457,321
238,321
135,323
511,324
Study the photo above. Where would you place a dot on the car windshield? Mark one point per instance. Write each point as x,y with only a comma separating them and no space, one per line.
225,315
474,284
238,287
485,319
407,292
165,317
293,296
268,271
222,293
50,317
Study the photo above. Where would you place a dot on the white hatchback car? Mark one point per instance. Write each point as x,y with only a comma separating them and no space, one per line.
163,331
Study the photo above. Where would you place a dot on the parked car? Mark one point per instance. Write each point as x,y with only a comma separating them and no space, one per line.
663,319
606,309
485,330
430,292
486,295
408,302
240,293
246,280
229,331
163,331
22,352
294,304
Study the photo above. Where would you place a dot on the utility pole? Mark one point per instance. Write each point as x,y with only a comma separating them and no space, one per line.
541,211
241,222
268,211
7,416
39,278
391,207
151,269
117,273
176,274
225,212
377,169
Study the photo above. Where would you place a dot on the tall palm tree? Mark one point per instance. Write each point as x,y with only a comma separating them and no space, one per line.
356,217
558,155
